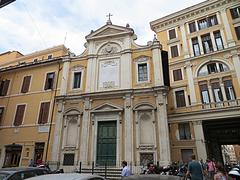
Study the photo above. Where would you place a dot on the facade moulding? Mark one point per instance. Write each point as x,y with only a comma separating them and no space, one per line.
197,10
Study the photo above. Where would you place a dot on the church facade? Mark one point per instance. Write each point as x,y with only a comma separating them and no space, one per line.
112,104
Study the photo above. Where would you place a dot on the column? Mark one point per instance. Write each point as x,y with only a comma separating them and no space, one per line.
163,134
57,132
85,131
200,44
157,63
154,128
2,156
226,24
64,79
126,70
225,45
184,40
210,92
199,140
137,129
191,48
128,136
191,86
236,62
223,90
119,139
213,41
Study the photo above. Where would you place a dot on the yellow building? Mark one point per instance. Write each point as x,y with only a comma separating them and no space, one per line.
28,85
204,99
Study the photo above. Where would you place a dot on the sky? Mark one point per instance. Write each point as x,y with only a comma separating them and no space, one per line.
32,25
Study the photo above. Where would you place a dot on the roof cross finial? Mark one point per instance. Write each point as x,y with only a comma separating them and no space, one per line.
109,18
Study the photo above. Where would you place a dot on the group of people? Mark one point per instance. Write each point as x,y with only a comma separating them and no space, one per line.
195,170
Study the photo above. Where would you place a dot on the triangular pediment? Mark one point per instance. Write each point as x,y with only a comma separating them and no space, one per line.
109,30
106,107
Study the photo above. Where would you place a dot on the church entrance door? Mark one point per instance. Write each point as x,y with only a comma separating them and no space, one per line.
106,143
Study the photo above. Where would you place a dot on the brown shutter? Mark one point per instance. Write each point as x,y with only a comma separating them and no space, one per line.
172,34
43,114
19,115
5,87
26,83
177,74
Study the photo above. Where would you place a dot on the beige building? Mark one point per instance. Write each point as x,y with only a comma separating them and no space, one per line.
28,85
203,102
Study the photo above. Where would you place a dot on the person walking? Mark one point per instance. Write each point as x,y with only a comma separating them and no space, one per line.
194,169
126,170
211,168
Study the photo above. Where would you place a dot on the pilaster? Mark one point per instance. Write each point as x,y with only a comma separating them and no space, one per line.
126,70
64,79
191,86
57,132
128,136
184,40
163,134
236,62
199,140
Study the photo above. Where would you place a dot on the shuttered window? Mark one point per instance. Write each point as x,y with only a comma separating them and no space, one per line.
1,114
26,84
192,27
19,115
177,74
68,159
43,113
174,51
4,87
49,81
184,131
172,34
180,98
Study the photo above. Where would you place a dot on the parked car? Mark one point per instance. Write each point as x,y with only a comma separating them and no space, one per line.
68,176
152,177
21,173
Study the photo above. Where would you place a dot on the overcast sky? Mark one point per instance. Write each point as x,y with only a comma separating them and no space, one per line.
32,25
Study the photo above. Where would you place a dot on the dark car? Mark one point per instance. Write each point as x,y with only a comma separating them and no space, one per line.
21,173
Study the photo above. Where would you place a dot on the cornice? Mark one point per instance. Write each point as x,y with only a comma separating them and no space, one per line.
198,10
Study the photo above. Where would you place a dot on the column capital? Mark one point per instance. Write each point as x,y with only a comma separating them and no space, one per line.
196,123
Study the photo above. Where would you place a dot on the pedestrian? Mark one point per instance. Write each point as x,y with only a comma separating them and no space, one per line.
126,170
220,173
194,169
211,168
151,168
31,163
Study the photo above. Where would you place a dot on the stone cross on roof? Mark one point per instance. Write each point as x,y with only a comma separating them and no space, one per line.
109,18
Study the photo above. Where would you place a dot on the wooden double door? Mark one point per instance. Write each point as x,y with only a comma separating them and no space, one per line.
106,143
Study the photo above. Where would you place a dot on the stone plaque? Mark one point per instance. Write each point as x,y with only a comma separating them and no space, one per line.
109,74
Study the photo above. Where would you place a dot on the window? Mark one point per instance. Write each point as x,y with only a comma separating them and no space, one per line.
68,159
174,51
184,131
1,114
142,72
172,34
207,22
237,30
4,87
217,93
218,40
207,43
50,56
49,81
229,90
192,27
204,94
77,80
177,75
180,98
43,113
26,84
186,153
235,12
19,115
196,48
214,67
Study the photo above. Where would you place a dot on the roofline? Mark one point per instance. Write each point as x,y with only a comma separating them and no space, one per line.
7,52
183,11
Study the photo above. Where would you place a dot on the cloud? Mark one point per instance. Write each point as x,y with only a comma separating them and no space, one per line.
28,25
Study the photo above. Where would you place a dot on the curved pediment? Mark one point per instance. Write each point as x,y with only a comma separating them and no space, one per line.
143,106
72,111
106,107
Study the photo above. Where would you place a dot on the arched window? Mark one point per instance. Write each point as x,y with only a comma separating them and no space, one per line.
211,68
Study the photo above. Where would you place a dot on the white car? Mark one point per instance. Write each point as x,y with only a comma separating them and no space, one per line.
68,176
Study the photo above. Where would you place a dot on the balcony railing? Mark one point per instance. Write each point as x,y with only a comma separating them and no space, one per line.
222,104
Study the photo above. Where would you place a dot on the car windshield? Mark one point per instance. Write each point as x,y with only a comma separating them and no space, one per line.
3,175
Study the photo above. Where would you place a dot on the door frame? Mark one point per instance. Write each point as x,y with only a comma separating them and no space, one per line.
106,117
